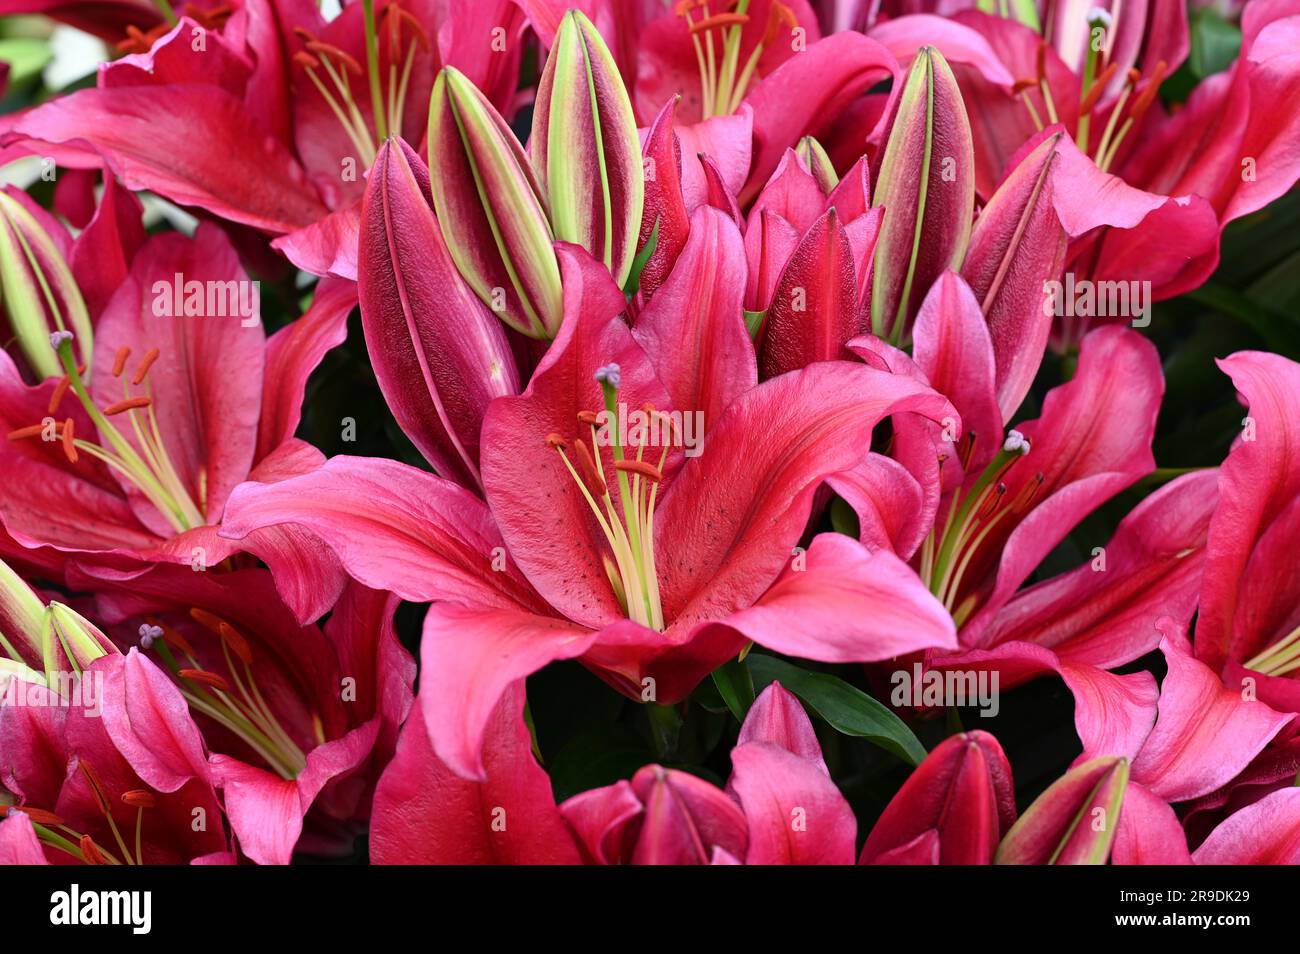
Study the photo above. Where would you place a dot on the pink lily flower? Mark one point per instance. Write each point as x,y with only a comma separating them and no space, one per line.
298,720
130,461
650,566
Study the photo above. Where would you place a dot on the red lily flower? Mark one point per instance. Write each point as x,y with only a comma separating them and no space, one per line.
651,592
122,781
130,461
299,720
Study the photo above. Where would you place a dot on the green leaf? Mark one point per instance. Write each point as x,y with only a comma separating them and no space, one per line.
633,283
754,322
736,687
1215,43
848,710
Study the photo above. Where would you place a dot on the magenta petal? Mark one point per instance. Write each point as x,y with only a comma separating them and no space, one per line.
847,605
292,353
601,822
685,818
665,205
823,80
892,510
101,255
439,354
149,722
1265,833
469,657
546,522
796,815
694,329
777,717
1104,612
392,526
266,811
754,492
259,184
814,308
1149,832
1259,478
951,344
327,246
1113,714
207,416
18,842
1205,734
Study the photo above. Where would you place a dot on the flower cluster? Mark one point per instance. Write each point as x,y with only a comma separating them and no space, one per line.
749,397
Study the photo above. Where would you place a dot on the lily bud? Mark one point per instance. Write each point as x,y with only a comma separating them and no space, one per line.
1074,821
814,157
1017,245
585,148
71,639
439,355
952,810
22,617
814,309
927,187
38,291
490,209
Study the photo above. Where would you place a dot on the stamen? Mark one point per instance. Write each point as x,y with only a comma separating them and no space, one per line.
129,404
56,398
639,467
90,851
718,20
1098,87
590,472
146,363
322,49
38,815
206,678
179,641
32,430
588,417
119,360
227,632
69,440
139,798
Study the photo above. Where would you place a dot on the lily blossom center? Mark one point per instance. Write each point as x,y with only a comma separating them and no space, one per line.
235,701
146,463
1127,111
629,527
328,68
716,39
